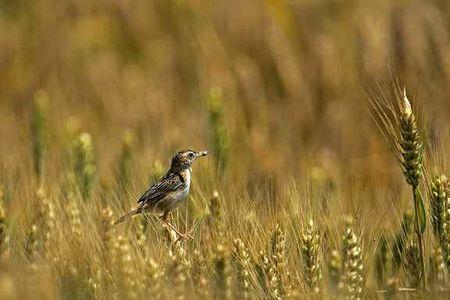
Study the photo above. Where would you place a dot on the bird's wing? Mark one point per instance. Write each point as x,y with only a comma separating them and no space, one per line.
169,183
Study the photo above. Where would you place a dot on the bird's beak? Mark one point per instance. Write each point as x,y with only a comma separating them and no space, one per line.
202,153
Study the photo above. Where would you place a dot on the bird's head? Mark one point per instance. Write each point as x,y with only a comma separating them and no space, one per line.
184,158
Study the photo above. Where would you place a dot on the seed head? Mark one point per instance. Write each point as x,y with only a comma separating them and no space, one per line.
410,145
439,197
352,274
311,261
407,110
242,261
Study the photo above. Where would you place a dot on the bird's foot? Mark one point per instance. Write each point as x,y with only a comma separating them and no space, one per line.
186,235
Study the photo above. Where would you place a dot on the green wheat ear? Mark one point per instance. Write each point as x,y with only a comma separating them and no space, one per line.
410,144
84,167
398,123
220,138
38,130
411,150
4,238
440,217
125,161
439,196
445,238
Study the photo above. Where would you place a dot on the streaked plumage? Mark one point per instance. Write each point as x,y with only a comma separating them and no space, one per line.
166,194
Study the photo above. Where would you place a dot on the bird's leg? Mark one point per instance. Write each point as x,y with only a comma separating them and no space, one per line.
186,235
190,231
165,219
170,217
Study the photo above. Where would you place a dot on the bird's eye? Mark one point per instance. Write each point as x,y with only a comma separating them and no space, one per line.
191,155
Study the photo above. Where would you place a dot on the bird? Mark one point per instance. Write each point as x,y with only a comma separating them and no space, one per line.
163,196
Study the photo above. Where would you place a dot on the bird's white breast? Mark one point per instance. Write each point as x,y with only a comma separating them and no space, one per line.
187,180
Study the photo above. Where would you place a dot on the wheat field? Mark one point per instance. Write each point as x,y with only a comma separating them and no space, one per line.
326,178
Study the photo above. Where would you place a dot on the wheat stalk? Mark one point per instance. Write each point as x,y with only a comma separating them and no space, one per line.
402,238
412,260
220,138
125,161
39,131
412,156
399,125
382,261
4,237
84,167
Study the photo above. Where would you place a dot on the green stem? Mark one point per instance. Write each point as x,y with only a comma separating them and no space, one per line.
419,237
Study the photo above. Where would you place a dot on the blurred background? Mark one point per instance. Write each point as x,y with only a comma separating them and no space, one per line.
291,76
96,96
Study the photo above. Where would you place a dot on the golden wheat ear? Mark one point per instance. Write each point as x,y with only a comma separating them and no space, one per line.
127,215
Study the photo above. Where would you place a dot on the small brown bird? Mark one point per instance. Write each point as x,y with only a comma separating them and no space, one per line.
172,189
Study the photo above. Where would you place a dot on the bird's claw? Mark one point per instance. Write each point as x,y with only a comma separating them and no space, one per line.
187,235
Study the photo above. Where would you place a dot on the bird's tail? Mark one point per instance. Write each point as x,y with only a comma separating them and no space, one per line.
128,215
